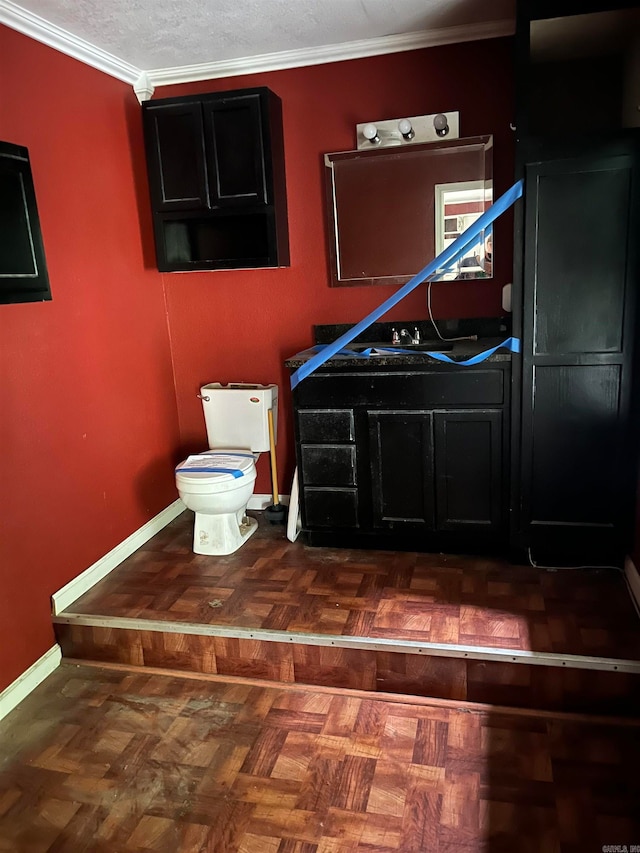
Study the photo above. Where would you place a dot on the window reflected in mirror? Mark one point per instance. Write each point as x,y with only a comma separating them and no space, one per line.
391,211
458,205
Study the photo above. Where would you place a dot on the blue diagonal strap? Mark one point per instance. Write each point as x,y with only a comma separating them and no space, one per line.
446,257
512,344
205,469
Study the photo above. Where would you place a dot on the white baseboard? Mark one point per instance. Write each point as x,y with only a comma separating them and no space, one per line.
633,580
29,680
263,501
69,593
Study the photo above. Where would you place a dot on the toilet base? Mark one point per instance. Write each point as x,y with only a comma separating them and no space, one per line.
223,533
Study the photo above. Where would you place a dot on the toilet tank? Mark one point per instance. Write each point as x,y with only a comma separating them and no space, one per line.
236,414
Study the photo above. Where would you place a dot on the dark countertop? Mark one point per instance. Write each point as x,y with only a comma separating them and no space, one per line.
461,350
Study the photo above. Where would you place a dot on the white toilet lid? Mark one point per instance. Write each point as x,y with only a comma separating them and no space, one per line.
216,465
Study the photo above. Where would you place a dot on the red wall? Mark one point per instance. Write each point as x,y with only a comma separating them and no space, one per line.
89,426
88,423
242,325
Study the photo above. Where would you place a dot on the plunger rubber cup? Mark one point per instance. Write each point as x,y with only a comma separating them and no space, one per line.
276,513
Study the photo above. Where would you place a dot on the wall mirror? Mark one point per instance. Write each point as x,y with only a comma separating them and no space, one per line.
391,210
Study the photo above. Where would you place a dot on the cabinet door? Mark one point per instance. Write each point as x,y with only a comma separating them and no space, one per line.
400,449
579,444
235,150
468,470
174,140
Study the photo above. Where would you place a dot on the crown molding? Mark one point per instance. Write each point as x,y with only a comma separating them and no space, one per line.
330,53
41,30
144,81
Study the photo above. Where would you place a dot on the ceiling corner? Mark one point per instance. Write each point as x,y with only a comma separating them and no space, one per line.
39,29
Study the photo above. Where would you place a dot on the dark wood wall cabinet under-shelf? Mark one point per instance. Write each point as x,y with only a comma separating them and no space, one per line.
406,459
216,174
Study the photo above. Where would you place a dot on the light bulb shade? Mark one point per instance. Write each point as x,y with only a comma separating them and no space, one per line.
370,132
406,128
440,124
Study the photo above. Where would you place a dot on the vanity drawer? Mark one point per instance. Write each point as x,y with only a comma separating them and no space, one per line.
328,465
450,386
325,425
330,507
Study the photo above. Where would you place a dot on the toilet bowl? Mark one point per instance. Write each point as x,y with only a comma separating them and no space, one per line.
217,485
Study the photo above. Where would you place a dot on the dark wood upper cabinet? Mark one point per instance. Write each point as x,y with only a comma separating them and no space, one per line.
217,183
577,66
23,269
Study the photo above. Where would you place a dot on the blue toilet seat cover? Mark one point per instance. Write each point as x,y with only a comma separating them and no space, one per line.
215,464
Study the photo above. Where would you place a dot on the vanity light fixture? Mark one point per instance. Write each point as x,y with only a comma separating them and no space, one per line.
408,131
370,132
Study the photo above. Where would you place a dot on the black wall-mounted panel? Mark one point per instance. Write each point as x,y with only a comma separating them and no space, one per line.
23,269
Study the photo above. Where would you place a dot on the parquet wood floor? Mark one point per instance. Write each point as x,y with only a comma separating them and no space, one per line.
109,761
273,584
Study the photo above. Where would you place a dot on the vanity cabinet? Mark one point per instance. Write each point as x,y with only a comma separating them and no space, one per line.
216,178
404,458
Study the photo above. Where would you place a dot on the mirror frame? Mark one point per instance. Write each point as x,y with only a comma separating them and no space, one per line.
482,144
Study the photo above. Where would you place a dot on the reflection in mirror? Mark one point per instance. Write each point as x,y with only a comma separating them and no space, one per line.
458,205
387,209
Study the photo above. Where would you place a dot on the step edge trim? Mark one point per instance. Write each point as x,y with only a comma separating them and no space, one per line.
454,650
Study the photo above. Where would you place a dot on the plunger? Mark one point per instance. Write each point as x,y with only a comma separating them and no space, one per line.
277,512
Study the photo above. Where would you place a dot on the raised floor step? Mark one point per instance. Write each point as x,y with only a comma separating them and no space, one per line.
430,625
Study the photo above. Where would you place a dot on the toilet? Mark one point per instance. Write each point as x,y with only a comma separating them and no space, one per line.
218,483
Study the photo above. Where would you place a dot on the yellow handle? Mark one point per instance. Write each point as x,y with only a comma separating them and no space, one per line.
272,454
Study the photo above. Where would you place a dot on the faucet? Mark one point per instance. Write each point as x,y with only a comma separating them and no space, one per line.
408,338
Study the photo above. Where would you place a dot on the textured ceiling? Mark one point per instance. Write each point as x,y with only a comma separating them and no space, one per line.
152,34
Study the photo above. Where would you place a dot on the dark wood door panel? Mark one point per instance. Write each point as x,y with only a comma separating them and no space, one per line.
400,447
468,469
236,154
581,234
576,444
175,152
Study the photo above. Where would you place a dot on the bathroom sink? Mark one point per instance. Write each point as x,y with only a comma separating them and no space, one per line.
425,346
